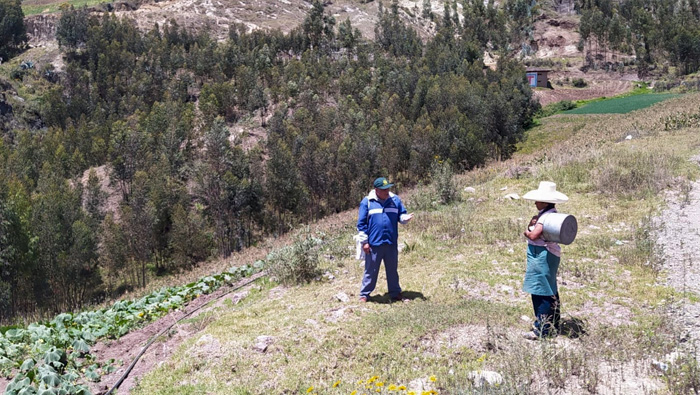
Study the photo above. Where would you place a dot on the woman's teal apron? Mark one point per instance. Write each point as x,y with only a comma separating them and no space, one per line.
541,272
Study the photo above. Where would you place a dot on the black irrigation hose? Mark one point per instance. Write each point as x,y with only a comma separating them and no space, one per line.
161,333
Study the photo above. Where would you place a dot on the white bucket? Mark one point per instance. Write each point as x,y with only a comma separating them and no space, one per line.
559,228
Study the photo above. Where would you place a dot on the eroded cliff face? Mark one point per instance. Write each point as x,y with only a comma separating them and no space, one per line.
41,28
217,16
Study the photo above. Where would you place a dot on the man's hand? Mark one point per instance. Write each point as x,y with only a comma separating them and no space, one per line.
365,248
407,217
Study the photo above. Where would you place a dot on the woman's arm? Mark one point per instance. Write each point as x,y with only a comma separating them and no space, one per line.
535,233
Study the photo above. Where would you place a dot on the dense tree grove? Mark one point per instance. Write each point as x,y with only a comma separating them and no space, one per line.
12,31
651,29
153,115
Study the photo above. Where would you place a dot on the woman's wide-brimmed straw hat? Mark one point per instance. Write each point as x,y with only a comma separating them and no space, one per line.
547,193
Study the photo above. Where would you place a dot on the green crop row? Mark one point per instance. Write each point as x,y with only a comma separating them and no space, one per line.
52,358
622,105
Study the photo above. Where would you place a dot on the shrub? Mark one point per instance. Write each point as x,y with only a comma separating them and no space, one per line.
18,74
579,83
665,85
297,263
682,120
554,108
443,181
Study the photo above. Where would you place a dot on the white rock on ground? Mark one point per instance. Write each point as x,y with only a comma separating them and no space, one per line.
343,297
485,377
469,189
421,384
336,314
262,343
512,196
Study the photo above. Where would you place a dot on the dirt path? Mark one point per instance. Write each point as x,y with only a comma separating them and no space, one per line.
679,239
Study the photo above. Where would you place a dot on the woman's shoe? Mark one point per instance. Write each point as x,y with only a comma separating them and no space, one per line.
398,298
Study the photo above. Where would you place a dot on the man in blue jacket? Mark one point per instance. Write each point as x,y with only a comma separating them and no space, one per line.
377,224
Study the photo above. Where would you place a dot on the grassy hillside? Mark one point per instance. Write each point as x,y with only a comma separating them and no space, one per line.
33,7
462,265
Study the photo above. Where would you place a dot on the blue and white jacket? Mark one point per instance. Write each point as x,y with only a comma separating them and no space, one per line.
377,223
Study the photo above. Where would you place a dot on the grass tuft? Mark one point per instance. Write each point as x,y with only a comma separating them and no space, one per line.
633,173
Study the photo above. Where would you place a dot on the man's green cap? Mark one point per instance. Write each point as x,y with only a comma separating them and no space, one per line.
382,183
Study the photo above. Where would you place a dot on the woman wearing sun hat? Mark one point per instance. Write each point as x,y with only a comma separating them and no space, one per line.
542,263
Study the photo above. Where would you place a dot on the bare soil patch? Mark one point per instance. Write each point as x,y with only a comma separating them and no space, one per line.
556,37
599,85
474,337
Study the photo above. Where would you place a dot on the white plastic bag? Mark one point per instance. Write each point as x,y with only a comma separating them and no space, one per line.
359,238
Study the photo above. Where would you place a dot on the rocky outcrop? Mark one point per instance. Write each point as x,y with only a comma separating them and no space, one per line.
41,27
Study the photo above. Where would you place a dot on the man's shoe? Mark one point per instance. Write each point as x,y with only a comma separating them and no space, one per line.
363,299
398,298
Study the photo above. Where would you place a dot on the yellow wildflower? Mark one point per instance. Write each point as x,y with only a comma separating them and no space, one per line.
379,384
353,392
309,390
433,378
411,393
402,388
337,383
372,379
392,387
